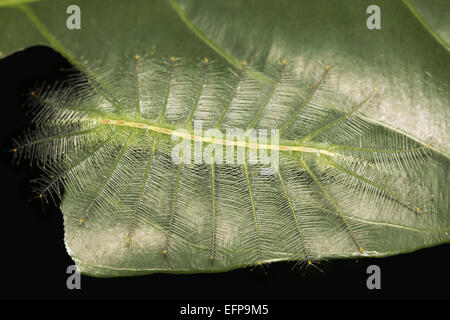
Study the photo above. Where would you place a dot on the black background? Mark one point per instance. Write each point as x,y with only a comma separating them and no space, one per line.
34,260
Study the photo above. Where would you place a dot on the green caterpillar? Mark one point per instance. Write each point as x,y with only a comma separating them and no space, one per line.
342,186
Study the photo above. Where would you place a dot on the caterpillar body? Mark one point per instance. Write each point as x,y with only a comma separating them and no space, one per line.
342,185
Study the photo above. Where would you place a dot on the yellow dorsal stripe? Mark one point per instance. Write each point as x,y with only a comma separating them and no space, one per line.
192,137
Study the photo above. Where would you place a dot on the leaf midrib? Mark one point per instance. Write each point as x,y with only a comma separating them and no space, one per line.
426,26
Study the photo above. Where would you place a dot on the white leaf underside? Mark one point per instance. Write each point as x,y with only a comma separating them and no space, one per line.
344,187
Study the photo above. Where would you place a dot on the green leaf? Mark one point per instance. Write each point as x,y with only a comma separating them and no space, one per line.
361,172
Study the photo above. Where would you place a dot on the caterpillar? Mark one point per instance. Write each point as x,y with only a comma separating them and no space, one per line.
341,185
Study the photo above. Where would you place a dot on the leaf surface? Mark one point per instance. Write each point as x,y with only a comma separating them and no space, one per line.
368,174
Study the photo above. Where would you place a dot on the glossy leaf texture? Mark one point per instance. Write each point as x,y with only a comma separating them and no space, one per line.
363,146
